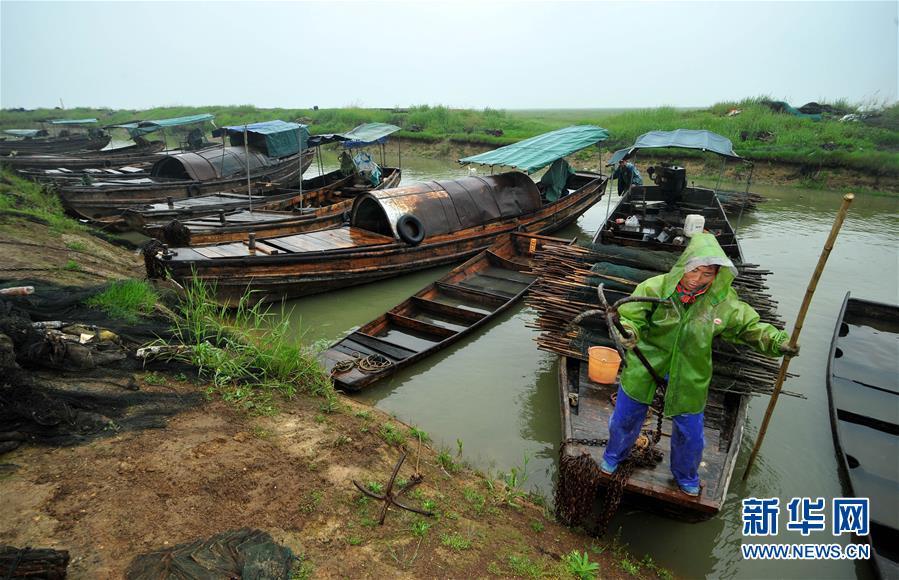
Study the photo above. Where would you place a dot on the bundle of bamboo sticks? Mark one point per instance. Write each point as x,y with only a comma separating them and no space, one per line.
566,287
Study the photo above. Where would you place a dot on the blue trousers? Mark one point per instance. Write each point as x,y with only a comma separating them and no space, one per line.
687,438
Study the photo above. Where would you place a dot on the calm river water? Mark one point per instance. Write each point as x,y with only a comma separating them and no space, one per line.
497,393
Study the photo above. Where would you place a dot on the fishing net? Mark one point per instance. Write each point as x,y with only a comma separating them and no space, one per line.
90,390
43,563
245,553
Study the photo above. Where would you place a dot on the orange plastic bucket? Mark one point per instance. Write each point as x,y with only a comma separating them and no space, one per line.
602,365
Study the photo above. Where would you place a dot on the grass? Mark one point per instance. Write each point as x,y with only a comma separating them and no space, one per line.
579,565
521,565
23,198
455,542
445,460
871,145
125,299
247,354
392,434
420,528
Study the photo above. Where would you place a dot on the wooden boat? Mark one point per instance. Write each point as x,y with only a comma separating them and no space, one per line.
461,302
63,144
863,390
325,202
183,175
456,219
42,166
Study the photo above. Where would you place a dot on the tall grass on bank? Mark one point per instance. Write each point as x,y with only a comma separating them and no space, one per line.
126,299
22,198
758,133
246,354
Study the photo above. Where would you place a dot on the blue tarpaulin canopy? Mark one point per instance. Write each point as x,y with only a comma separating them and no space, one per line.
276,138
73,121
144,127
682,139
537,152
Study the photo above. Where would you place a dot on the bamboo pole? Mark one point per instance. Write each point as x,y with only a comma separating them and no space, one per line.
797,329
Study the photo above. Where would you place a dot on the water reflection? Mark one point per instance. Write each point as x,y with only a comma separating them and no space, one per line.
497,393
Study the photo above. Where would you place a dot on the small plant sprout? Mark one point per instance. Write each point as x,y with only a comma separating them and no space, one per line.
419,434
445,460
392,434
375,487
631,568
155,379
459,446
579,565
429,505
365,415
420,528
455,541
537,526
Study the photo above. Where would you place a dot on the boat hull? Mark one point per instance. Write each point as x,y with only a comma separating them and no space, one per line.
103,203
366,258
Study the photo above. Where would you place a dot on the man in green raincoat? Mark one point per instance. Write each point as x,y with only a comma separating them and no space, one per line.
676,338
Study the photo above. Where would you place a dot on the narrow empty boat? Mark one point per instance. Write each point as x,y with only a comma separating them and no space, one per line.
863,390
458,304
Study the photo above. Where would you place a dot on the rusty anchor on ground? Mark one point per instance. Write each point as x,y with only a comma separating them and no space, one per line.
389,498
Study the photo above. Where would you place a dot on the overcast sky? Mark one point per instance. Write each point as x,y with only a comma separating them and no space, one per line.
499,54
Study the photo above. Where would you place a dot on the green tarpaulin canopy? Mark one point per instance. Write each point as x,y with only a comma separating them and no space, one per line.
145,127
680,139
73,121
276,138
367,134
363,135
537,152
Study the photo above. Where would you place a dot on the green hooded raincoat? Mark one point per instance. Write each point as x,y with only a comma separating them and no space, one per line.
677,340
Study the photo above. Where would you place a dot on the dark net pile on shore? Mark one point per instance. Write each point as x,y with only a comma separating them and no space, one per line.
67,371
567,286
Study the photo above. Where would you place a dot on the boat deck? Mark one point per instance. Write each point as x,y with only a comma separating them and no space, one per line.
320,241
589,419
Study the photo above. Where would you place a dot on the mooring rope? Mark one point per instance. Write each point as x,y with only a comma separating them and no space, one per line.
372,363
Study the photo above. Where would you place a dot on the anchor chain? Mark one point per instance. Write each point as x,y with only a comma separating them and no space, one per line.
371,363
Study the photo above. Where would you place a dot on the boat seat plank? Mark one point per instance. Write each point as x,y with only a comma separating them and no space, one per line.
493,285
420,326
484,297
874,404
877,473
507,274
379,345
452,312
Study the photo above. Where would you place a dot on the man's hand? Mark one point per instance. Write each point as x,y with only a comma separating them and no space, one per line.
626,340
787,350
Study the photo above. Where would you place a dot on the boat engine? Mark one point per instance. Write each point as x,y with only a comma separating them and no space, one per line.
671,179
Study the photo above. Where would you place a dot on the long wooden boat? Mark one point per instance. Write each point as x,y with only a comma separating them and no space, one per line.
325,202
863,390
391,232
461,302
184,175
67,144
586,407
36,165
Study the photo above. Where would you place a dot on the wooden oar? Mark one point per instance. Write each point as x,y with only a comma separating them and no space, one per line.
800,319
